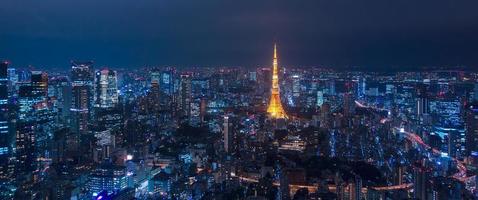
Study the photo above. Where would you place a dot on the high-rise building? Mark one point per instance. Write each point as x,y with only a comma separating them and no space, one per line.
361,88
202,109
296,85
355,189
325,115
349,105
60,89
185,96
7,139
39,83
471,144
106,89
422,102
330,87
475,92
227,135
421,176
275,109
25,146
320,98
155,78
81,82
167,81
107,177
283,193
12,81
155,87
35,123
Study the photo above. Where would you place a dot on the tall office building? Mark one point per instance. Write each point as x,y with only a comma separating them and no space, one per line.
202,109
421,176
422,105
81,82
320,98
167,80
471,144
107,114
107,177
156,78
155,90
361,88
25,146
275,109
60,90
7,139
185,96
35,123
296,85
283,192
12,81
355,189
227,135
475,92
39,83
325,116
106,89
349,105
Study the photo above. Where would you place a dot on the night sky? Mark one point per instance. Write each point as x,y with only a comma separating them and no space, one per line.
135,33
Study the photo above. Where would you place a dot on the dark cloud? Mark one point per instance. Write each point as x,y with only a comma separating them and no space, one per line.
373,33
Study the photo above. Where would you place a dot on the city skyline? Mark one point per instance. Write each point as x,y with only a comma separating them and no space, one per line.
253,100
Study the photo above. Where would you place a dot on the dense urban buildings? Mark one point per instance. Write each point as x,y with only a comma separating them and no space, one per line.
238,100
267,132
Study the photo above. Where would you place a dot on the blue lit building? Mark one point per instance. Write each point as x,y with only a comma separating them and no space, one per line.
7,138
472,131
160,185
448,124
107,177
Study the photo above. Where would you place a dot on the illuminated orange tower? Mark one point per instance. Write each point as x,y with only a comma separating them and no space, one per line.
275,108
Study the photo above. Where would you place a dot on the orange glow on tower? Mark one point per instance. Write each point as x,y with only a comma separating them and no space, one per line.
275,109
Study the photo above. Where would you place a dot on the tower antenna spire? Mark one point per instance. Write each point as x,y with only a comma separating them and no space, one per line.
275,50
275,108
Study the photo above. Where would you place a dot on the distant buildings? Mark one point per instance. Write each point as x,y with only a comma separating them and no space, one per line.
217,133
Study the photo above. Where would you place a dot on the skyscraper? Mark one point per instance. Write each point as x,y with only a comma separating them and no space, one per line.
471,144
81,98
475,92
420,177
275,108
349,105
422,102
34,122
227,135
106,89
185,96
361,88
7,140
320,98
283,192
155,83
39,82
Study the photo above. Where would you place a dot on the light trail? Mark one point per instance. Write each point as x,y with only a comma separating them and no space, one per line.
312,188
460,175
